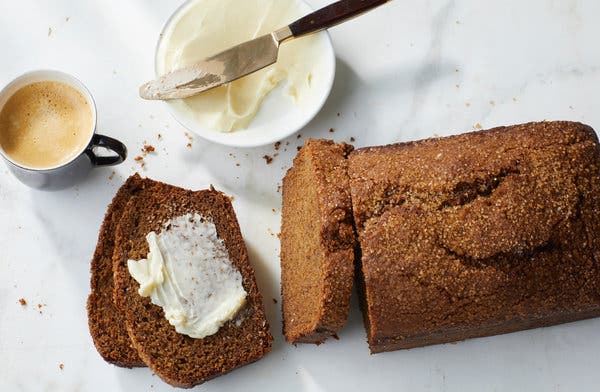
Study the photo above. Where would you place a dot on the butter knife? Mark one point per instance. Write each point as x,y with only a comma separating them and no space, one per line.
249,56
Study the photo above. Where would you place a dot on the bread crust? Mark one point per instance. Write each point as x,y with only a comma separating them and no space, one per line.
478,234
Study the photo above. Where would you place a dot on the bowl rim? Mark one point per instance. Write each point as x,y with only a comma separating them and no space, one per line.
225,138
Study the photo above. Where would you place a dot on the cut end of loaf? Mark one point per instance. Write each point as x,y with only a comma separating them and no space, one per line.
317,243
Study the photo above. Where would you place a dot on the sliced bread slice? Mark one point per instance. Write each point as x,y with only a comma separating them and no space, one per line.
317,243
177,358
106,323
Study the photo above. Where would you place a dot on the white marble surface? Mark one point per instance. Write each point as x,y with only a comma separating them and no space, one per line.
409,70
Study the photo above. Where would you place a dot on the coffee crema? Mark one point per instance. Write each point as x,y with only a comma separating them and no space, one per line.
45,124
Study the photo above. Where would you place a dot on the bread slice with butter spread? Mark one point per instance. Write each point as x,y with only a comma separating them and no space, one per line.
177,358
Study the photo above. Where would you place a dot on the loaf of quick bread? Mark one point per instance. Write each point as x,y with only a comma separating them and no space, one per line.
477,234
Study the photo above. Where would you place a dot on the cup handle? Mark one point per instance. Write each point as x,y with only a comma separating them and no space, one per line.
107,142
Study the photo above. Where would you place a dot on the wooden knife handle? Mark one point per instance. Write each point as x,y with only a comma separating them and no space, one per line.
332,15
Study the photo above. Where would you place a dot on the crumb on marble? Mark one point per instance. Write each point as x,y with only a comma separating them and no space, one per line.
478,126
274,300
23,301
61,366
352,139
190,139
268,159
112,175
331,130
277,145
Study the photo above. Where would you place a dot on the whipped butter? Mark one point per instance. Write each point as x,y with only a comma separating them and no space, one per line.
206,27
188,273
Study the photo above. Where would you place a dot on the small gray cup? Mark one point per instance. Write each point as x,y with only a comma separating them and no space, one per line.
68,173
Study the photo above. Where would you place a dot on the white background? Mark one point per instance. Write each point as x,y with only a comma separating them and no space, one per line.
408,70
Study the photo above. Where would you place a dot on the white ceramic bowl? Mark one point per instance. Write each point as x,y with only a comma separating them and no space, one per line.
278,116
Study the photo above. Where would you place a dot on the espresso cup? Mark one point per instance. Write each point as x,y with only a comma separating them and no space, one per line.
85,155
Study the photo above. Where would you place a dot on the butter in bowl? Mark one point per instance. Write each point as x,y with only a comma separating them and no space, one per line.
221,62
264,106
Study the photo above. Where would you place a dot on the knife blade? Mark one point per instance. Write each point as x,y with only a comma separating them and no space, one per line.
219,69
250,56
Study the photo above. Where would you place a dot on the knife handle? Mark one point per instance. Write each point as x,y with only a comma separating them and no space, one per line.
332,15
